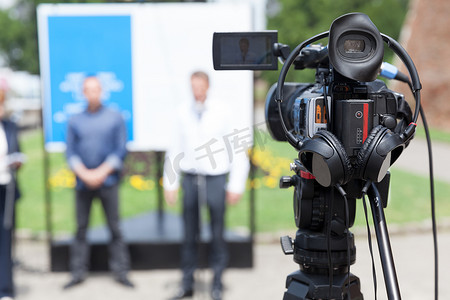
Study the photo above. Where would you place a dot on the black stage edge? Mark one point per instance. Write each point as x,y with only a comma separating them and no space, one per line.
154,242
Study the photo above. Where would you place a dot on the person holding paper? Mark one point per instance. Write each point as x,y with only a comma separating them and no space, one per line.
10,161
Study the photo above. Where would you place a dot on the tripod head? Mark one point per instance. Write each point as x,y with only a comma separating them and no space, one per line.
324,247
319,211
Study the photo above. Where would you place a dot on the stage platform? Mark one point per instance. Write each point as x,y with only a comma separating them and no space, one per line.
154,241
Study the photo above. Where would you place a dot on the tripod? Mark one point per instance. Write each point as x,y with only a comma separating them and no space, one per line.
324,247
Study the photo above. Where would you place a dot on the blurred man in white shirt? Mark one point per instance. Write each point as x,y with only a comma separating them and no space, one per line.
212,172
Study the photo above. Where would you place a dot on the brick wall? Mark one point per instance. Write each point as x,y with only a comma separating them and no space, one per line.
426,37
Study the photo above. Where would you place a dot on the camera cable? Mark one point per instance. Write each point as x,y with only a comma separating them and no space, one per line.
432,195
330,259
324,81
347,231
369,239
391,72
293,140
433,205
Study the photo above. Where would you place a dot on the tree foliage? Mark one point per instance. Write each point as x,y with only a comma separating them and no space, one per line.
18,37
18,46
297,20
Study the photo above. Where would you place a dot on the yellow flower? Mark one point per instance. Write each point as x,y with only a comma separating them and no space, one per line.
255,183
141,184
270,181
63,178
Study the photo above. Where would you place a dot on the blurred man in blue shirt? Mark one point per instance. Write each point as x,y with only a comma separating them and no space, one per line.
96,140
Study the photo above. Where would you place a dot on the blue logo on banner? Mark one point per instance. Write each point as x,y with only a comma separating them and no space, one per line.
81,46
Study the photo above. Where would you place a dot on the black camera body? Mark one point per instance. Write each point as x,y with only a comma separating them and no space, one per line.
329,121
360,107
348,128
356,108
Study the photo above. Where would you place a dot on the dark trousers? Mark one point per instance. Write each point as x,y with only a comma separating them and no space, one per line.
210,190
118,253
6,276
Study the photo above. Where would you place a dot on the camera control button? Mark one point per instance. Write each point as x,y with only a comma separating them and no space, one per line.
389,122
286,182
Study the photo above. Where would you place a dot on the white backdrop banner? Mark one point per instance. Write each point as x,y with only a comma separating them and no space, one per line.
144,55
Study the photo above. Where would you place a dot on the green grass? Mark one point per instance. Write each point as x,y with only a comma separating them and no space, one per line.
409,193
31,211
437,135
409,199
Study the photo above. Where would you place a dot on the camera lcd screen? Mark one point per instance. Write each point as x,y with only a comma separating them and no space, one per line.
244,50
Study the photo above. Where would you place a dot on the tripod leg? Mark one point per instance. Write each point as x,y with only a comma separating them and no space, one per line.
384,245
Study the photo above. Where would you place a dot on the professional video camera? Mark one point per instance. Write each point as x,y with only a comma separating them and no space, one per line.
348,129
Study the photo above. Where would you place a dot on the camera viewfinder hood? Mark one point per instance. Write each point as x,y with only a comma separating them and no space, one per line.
355,47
